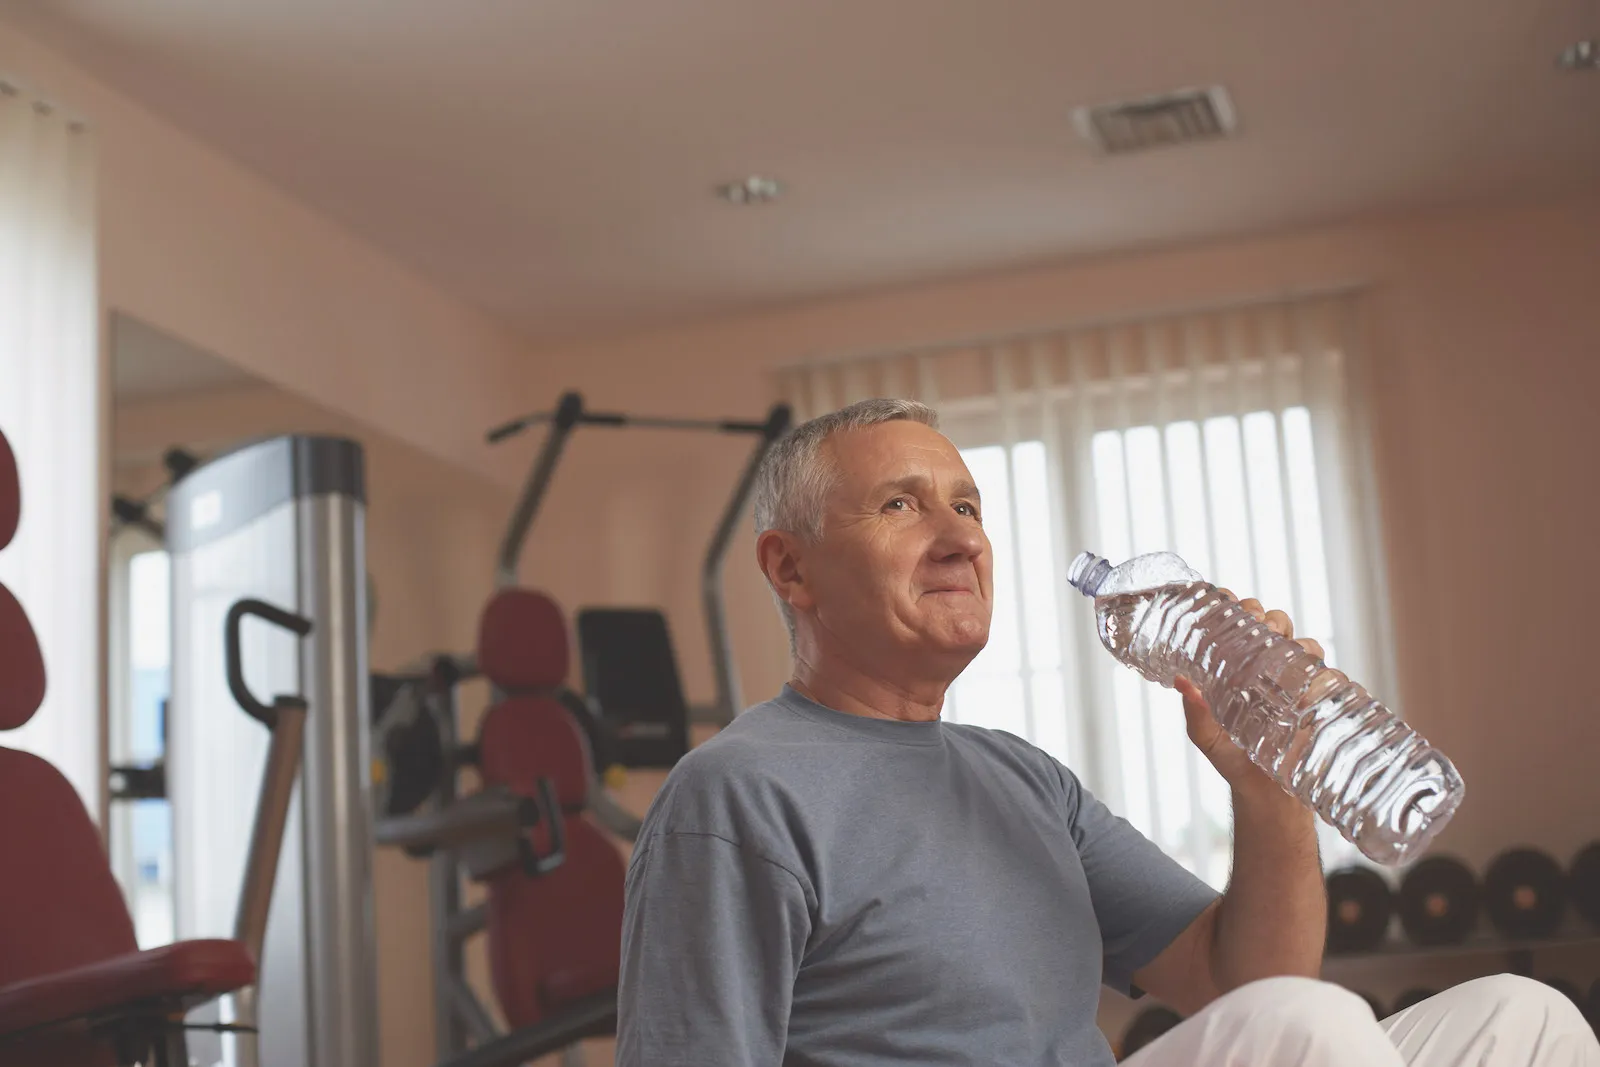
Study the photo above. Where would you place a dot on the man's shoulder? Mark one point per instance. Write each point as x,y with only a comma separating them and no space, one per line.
734,782
1006,753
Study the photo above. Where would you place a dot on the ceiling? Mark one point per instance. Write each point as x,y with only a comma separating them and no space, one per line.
553,162
148,364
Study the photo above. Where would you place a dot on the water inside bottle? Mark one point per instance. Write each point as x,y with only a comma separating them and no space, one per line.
1320,735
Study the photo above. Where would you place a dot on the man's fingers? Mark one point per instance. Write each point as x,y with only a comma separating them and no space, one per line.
1279,622
1313,646
1253,606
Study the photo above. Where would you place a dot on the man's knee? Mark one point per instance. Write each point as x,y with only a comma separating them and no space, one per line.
1516,998
1317,1013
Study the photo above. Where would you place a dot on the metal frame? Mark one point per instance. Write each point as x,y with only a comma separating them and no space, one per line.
568,415
465,1034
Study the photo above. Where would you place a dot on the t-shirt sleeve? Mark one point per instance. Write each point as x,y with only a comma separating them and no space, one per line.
712,939
1143,898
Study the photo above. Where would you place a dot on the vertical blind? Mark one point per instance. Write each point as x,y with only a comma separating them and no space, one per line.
1232,436
50,411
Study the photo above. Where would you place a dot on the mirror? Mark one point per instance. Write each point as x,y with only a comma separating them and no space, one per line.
432,528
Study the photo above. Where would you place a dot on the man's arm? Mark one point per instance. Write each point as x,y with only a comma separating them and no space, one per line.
1273,918
712,938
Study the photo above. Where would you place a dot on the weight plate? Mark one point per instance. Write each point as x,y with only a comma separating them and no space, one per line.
1524,893
1360,903
1439,901
1583,883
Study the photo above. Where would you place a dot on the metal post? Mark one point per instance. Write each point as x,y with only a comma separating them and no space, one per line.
444,897
568,413
729,700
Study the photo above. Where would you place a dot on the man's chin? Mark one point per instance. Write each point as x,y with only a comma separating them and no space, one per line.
963,640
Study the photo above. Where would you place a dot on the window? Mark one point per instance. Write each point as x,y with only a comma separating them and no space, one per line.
1229,438
1222,508
141,680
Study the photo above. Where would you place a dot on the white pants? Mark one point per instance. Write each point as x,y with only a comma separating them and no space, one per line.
1502,1021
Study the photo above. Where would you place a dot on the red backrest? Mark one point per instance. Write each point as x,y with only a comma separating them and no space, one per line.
556,938
522,641
10,493
524,739
62,907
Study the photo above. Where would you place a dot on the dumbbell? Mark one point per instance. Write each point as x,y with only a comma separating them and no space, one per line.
1360,903
1438,901
1583,883
1147,1026
1524,893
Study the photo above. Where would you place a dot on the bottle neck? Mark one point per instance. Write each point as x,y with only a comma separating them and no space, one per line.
1087,572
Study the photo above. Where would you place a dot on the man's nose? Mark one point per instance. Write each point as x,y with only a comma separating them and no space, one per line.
959,537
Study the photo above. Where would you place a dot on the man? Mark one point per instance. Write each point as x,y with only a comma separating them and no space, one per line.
840,878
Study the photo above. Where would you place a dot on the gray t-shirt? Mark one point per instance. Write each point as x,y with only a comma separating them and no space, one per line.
819,889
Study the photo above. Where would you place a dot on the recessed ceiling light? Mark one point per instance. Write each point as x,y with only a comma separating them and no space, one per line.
755,189
1581,55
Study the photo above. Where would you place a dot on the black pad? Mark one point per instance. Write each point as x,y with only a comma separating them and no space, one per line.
409,759
630,674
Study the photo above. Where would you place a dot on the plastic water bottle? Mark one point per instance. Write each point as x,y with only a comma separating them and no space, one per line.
1322,737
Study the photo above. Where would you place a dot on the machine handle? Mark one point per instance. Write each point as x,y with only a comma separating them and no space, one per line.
296,624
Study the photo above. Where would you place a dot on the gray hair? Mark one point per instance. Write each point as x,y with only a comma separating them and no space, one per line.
792,485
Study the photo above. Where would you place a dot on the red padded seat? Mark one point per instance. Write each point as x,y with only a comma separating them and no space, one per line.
556,938
68,955
183,974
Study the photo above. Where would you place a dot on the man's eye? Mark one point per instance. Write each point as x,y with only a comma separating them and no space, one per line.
968,509
899,503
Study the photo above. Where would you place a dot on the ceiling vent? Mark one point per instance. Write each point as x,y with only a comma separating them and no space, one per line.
1183,117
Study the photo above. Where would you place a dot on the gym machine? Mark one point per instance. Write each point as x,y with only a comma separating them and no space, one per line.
633,714
136,782
137,512
568,415
280,520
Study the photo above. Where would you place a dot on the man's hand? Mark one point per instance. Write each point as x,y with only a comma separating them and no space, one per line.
1272,919
1207,734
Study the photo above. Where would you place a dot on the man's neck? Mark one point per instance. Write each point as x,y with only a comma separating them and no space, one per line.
835,683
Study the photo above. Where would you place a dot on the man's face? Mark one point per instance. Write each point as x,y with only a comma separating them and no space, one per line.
904,568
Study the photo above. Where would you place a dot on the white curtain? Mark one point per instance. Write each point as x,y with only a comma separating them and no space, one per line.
50,411
1232,436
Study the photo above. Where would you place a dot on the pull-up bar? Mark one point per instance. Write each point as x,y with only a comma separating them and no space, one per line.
600,418
569,414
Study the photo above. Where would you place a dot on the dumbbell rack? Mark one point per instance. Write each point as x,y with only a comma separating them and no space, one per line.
1517,953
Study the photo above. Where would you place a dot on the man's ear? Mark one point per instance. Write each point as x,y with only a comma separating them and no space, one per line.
779,555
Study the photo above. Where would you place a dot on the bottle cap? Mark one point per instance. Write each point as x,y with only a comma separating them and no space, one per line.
1087,571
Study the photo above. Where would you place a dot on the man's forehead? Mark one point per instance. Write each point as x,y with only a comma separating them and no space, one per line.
891,451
